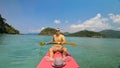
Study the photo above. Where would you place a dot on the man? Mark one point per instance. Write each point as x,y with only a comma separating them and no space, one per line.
59,39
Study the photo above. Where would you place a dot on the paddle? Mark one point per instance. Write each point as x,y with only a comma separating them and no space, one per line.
68,43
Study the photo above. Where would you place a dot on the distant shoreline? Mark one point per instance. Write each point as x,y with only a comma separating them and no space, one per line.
65,36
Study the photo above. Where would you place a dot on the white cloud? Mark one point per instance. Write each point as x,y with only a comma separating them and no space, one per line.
115,18
118,28
96,23
57,21
42,28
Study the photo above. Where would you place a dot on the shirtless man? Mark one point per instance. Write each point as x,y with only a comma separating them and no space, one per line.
59,39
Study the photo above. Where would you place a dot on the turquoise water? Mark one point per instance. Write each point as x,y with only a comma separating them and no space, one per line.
23,51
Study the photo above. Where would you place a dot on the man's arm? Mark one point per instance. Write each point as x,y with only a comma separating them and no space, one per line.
63,40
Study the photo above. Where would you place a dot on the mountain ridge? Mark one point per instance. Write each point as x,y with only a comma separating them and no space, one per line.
85,33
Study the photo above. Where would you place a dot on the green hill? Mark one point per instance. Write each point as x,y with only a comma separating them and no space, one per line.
103,34
111,33
86,33
47,31
6,28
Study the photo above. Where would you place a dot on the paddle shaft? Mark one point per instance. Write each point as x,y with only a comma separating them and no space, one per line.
69,43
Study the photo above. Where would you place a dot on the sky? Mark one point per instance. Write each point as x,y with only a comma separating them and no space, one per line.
31,16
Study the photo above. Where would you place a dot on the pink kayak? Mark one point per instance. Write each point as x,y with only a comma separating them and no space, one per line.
69,62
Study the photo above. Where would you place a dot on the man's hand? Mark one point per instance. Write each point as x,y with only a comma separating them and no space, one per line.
46,43
60,43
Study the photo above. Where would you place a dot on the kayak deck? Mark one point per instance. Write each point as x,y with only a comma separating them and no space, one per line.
45,63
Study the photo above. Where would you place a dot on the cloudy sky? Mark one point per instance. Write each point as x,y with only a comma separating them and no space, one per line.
31,16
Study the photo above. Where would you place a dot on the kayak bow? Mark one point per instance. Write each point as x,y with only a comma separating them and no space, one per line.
69,62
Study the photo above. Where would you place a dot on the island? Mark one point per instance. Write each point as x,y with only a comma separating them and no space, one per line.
47,31
6,28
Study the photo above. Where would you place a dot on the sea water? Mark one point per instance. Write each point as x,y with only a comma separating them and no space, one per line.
24,51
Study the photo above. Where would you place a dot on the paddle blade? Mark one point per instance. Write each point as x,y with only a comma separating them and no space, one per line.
72,43
42,43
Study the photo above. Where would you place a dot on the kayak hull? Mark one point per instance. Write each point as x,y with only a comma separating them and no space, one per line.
45,63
